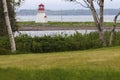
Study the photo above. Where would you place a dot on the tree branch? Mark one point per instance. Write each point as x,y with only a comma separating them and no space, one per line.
113,29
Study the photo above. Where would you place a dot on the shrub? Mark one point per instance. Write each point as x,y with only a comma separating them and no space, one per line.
4,51
56,43
4,42
24,43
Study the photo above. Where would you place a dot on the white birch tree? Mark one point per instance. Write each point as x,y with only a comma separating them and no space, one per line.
98,18
7,20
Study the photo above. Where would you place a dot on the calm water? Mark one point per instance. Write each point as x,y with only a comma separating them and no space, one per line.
52,33
81,18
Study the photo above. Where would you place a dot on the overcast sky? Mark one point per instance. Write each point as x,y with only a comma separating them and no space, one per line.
63,5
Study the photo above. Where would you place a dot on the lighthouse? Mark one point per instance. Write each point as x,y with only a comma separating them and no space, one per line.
41,17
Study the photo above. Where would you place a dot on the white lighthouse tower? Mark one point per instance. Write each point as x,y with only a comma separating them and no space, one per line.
41,17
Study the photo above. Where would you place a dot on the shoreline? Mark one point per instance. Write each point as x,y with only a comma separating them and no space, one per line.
44,28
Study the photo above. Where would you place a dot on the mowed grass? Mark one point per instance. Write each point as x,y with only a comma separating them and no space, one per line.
95,64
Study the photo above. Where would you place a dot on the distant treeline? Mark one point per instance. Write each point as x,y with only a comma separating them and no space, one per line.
66,12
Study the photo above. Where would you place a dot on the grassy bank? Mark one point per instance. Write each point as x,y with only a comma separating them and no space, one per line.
95,64
64,24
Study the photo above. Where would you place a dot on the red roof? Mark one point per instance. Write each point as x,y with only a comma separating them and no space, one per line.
41,4
41,7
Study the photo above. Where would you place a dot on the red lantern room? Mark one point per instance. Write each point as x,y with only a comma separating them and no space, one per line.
41,7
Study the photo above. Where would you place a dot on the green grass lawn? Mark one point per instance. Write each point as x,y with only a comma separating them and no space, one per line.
64,24
95,64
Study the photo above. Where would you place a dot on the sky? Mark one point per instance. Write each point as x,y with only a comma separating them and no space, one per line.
63,5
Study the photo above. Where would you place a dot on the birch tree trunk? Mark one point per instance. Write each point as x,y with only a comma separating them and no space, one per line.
7,20
101,5
98,21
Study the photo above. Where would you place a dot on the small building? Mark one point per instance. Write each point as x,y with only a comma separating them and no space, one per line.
41,16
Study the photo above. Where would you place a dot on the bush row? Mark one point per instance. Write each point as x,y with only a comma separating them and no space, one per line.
56,43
